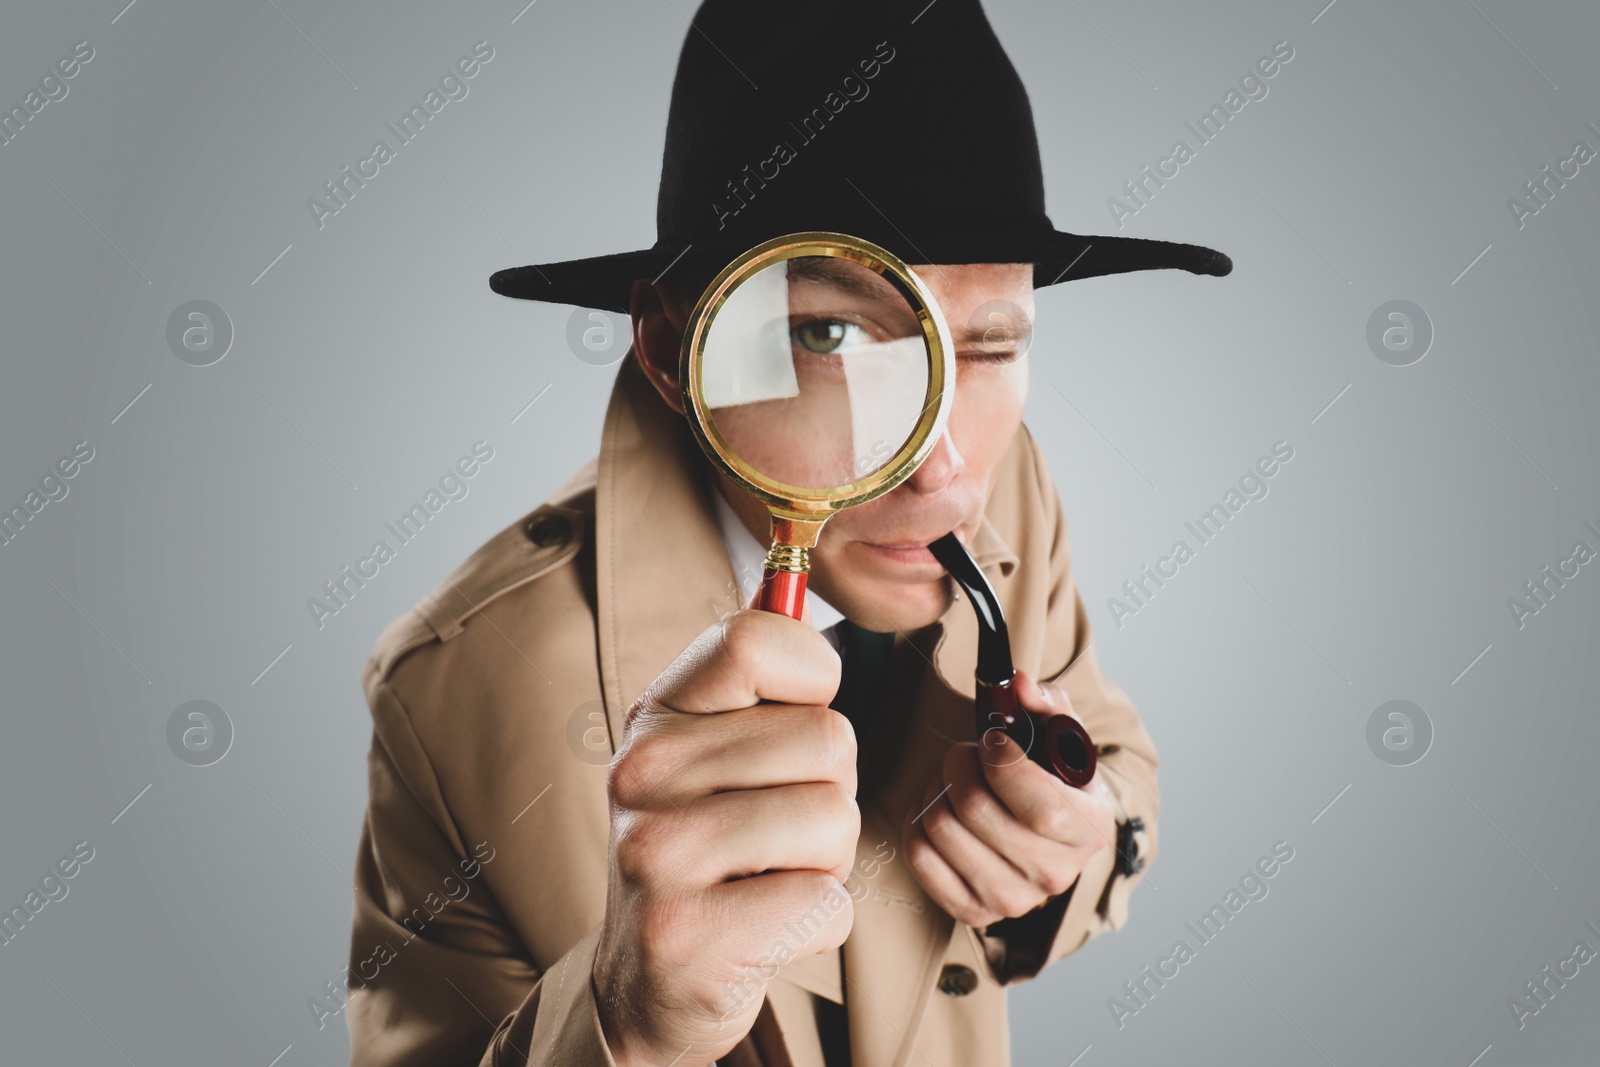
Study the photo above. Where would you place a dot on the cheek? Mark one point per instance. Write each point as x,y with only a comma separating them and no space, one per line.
988,410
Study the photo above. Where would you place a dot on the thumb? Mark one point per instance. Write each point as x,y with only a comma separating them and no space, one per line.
1044,699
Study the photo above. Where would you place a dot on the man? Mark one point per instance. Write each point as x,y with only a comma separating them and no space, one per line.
613,818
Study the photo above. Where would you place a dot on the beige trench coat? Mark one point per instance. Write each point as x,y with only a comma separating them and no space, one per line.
481,871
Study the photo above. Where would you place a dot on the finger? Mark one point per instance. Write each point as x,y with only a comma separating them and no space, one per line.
747,657
1039,697
802,912
1040,801
812,826
1048,701
998,885
941,881
751,748
1041,861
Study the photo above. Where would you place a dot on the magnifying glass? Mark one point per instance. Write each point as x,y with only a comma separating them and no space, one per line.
818,374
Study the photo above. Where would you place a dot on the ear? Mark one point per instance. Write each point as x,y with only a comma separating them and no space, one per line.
658,328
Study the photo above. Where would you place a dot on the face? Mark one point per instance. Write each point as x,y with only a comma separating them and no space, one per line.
871,562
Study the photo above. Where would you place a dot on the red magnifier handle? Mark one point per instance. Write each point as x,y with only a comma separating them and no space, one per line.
1058,742
782,592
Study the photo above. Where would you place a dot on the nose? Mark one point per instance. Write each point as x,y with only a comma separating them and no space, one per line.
941,467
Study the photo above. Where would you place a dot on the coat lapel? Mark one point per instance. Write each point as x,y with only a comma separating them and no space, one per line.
662,573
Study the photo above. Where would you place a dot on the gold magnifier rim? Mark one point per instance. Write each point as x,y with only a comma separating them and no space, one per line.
801,502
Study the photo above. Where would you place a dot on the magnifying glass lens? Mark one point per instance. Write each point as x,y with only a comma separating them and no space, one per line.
815,371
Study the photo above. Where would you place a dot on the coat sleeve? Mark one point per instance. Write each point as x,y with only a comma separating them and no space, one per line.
1018,949
437,973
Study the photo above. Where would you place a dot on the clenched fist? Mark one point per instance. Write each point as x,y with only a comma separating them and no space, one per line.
733,827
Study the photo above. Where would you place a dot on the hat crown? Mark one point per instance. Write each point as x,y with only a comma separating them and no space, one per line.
879,119
899,121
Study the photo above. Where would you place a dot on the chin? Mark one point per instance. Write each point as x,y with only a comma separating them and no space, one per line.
885,601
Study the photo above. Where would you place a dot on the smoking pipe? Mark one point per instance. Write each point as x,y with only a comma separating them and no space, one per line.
1056,742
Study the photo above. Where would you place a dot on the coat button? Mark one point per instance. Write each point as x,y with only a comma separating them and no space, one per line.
547,530
957,980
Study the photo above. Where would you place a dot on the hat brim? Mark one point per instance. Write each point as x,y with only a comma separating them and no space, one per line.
606,282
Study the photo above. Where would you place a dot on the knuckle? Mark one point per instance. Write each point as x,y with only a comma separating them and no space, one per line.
1059,822
939,821
970,910
974,804
626,780
838,741
641,842
1056,881
829,802
622,783
820,736
636,710
638,768
920,853
740,637
828,810
1013,903
819,885
846,816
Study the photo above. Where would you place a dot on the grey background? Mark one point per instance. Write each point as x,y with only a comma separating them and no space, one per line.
372,354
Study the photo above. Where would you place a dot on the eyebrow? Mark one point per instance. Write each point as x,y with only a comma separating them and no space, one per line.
832,270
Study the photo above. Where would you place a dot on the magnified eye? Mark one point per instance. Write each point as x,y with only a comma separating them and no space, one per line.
827,335
819,335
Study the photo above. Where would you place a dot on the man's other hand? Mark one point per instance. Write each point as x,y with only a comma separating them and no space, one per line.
995,835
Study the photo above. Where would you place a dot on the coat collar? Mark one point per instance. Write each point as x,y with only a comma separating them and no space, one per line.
663,575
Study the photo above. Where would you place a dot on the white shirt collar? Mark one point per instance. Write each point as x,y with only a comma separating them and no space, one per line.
749,557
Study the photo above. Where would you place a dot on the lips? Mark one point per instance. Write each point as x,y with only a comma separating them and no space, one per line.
911,550
903,545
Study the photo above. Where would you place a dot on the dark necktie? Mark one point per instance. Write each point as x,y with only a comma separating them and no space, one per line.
866,657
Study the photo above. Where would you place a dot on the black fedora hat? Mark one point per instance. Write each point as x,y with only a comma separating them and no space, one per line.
899,121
